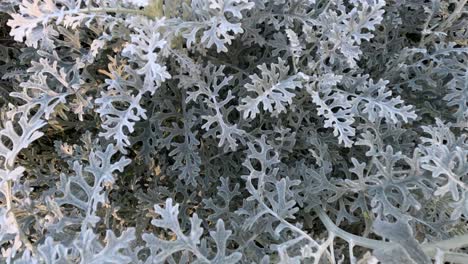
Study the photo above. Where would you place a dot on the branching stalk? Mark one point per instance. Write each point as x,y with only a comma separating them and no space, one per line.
430,249
113,10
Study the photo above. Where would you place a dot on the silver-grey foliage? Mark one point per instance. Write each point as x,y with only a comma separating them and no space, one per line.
233,131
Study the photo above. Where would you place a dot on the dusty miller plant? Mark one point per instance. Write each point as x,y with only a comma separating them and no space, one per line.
233,131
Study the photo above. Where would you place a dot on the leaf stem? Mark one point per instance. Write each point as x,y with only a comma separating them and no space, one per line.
113,10
430,248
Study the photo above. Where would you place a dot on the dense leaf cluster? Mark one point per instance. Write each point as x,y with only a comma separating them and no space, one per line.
233,131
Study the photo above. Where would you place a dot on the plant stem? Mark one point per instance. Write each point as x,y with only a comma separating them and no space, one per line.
113,10
348,237
430,248
445,24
